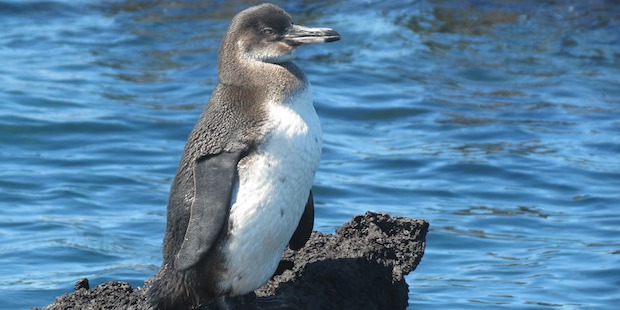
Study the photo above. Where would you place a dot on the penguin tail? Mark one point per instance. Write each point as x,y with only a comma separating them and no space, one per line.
170,289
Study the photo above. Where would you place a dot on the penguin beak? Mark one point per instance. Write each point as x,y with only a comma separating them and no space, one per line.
298,35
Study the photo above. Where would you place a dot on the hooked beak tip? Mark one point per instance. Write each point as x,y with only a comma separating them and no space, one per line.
299,35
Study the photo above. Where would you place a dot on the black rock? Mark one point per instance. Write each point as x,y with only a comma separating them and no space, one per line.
362,266
81,284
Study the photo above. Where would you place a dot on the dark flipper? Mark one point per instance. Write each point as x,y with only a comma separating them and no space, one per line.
214,177
304,229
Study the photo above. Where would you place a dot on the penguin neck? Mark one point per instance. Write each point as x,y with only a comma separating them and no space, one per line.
234,69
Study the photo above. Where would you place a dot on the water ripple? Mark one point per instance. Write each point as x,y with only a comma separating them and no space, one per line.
496,121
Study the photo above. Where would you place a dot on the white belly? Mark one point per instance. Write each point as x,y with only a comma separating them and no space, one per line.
269,200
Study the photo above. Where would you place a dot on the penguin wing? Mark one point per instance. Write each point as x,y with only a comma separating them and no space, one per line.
304,228
214,176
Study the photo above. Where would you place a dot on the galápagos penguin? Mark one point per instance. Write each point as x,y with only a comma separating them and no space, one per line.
242,189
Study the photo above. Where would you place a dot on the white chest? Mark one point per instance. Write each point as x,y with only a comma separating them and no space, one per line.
269,200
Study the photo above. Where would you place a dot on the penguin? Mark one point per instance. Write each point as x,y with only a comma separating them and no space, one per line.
242,191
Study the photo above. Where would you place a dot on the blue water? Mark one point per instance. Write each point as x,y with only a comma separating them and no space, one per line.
497,121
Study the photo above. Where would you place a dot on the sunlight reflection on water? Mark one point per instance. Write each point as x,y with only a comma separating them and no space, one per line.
496,121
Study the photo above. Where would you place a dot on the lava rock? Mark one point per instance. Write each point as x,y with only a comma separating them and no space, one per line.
362,266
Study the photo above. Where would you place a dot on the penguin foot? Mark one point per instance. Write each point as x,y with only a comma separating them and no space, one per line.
245,302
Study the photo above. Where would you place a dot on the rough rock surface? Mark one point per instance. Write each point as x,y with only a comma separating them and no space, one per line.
362,266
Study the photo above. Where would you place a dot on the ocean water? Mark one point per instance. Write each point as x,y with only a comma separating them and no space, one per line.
496,121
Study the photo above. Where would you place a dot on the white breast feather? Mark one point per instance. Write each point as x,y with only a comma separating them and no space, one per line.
271,195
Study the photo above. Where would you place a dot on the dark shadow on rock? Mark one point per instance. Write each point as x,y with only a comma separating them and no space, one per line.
344,283
362,266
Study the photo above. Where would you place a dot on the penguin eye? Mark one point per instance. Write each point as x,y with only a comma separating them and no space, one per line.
268,31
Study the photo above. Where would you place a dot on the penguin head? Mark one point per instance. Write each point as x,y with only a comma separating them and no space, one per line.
266,33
